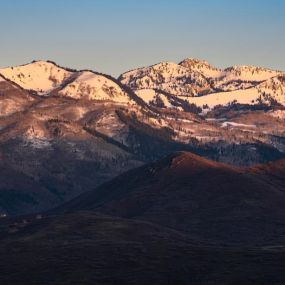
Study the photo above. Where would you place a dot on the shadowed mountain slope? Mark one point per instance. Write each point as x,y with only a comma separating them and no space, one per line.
203,198
181,220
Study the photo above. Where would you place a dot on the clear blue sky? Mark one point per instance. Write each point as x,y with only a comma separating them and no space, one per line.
113,36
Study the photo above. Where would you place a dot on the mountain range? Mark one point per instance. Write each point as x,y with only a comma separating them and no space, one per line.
64,132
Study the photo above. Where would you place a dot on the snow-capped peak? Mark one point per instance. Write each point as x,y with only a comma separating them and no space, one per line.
40,76
92,86
201,66
48,79
250,73
168,77
194,62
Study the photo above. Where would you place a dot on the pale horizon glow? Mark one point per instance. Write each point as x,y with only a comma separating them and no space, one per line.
116,36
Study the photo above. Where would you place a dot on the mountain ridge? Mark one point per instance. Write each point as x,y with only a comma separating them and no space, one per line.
194,195
193,62
89,127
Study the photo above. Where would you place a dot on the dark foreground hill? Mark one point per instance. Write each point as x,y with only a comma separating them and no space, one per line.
85,248
182,220
210,200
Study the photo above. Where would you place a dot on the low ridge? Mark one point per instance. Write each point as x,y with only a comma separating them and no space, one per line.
192,194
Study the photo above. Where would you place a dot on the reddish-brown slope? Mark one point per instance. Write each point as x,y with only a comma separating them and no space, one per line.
192,194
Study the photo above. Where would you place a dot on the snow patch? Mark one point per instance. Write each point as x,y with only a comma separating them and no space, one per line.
233,124
37,143
279,114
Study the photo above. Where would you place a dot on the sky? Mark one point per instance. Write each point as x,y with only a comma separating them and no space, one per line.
114,36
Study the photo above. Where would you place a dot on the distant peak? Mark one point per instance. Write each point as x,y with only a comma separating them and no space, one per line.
201,66
240,67
188,160
193,61
247,68
166,64
32,63
40,64
45,62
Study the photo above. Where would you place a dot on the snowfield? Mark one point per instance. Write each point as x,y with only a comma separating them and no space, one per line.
248,96
273,87
149,96
94,87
